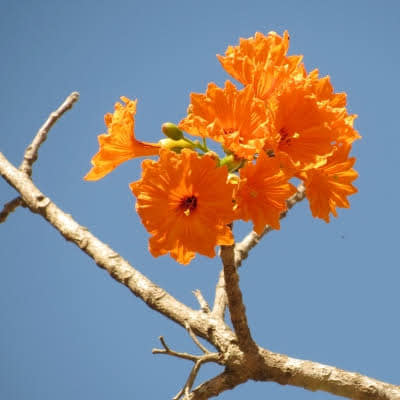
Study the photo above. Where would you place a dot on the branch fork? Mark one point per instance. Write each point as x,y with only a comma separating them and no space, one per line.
31,152
206,357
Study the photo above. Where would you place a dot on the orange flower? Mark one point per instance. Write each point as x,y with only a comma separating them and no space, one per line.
185,203
308,119
119,144
262,193
261,61
230,116
327,187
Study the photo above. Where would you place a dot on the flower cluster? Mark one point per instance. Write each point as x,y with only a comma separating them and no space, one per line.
283,123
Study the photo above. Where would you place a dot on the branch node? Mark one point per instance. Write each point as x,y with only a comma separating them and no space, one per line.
198,360
161,338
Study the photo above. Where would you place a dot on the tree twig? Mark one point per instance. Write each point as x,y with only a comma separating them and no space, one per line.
168,351
220,300
31,152
198,361
211,357
9,208
194,338
202,301
243,248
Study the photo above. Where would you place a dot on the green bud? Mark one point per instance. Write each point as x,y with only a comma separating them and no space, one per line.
171,130
175,144
231,162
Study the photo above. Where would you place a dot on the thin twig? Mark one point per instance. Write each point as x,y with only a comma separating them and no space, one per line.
193,373
243,248
202,301
31,152
9,208
220,300
194,338
168,351
198,360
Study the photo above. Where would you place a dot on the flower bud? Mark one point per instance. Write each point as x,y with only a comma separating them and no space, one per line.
175,145
231,162
172,131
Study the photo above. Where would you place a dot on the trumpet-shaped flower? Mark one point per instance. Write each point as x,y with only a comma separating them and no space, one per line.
262,62
327,187
230,116
308,119
119,143
262,193
185,203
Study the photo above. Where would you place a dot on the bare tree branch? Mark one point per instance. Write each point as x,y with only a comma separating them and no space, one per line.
235,300
314,376
31,152
215,386
9,208
242,250
242,358
154,296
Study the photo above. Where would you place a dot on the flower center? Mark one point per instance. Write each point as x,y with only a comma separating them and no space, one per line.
188,204
228,131
286,137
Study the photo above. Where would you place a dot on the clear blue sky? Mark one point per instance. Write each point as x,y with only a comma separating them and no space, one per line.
325,292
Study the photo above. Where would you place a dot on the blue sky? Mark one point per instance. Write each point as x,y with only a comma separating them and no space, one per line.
324,292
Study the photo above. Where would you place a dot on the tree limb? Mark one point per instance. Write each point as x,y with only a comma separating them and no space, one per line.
106,258
241,252
215,386
235,300
242,363
314,376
